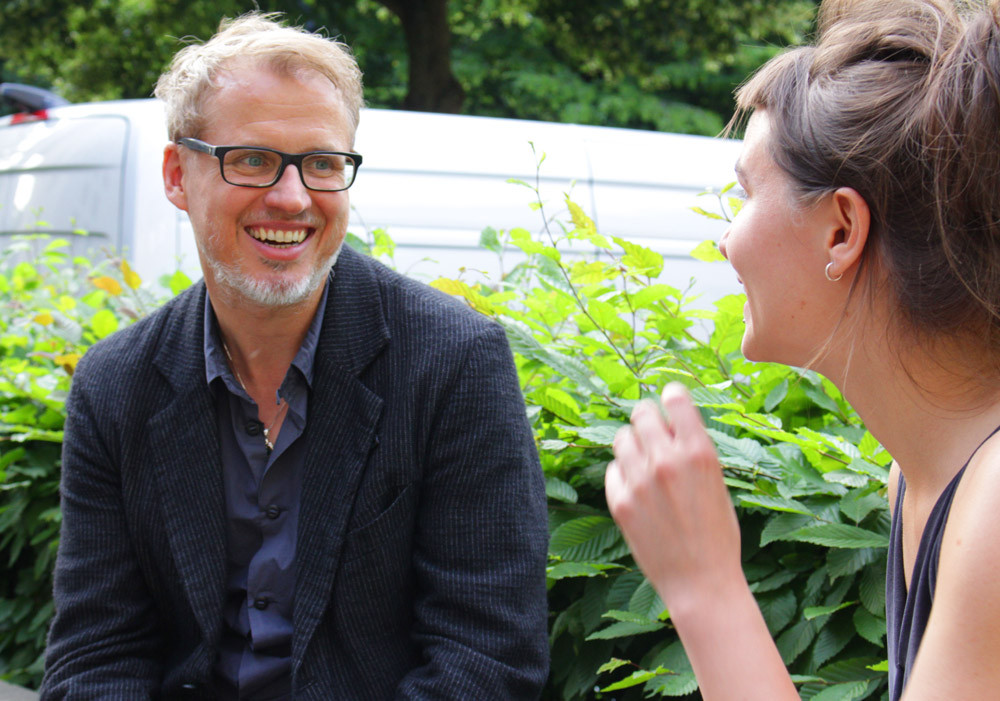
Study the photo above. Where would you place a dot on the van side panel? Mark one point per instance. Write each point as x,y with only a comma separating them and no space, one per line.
62,176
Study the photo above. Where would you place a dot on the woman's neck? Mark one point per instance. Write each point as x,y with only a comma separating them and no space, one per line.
929,410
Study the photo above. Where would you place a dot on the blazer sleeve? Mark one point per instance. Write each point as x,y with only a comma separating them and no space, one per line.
104,641
481,540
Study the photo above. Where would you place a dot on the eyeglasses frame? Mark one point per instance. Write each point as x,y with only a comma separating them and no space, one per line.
287,159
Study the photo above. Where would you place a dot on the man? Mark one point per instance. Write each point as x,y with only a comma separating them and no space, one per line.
307,477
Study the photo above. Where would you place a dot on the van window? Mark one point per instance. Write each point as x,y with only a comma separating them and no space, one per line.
64,175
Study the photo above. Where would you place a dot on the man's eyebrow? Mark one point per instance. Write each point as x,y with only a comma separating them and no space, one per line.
739,169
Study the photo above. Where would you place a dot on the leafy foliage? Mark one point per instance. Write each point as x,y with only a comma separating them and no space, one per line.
53,308
592,335
585,61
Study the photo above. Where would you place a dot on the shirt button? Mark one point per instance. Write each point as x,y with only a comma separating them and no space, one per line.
273,511
253,427
260,604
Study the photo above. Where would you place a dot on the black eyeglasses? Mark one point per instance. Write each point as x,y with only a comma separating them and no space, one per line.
256,166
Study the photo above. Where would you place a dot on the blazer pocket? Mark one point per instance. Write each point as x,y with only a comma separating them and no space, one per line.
395,524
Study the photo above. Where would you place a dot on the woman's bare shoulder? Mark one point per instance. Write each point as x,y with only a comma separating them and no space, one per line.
961,644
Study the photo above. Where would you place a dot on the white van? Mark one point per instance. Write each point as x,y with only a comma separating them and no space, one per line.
432,181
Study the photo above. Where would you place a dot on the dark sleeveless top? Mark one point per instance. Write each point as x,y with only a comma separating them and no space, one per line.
906,613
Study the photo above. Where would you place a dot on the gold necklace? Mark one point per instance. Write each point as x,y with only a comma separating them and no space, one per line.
282,404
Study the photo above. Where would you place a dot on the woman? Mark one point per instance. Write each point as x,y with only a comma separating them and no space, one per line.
869,248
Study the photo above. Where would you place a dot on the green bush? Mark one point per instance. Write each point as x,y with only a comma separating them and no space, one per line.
53,308
592,336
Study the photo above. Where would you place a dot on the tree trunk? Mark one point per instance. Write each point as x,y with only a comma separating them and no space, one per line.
432,87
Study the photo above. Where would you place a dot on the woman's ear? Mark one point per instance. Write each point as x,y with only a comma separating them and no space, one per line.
849,233
173,176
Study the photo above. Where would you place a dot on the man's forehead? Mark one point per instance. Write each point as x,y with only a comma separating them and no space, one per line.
258,88
245,72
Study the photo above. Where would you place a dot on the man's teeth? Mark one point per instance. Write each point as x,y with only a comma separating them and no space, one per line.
279,235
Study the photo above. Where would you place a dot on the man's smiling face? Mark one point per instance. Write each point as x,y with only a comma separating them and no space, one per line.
270,246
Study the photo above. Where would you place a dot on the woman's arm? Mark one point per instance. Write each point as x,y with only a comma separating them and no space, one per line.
666,492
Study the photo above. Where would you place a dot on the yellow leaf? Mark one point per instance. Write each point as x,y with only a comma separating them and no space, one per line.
132,278
44,319
460,289
580,219
68,361
108,284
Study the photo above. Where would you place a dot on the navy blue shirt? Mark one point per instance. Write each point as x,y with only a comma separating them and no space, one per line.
262,493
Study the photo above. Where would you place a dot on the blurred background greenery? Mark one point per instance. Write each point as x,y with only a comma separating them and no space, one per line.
669,65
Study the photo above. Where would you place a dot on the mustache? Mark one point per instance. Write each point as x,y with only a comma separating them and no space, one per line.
304,219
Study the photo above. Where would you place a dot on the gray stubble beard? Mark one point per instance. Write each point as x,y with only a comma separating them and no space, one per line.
269,293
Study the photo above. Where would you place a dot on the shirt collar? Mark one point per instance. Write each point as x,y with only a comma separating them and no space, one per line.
217,366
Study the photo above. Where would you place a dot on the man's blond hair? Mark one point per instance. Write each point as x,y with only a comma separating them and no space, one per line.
263,40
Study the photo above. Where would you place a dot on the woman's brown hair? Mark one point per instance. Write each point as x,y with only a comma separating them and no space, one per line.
900,100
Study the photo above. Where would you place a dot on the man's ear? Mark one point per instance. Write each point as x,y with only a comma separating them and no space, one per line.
173,177
849,233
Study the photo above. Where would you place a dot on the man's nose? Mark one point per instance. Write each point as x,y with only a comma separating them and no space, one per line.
722,244
289,194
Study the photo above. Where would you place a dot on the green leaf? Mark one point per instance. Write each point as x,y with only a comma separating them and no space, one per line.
714,399
794,641
556,489
489,240
841,562
820,398
616,615
611,665
561,404
357,243
774,581
384,245
812,612
882,666
24,414
601,434
645,602
871,628
178,282
704,213
842,692
838,535
638,677
708,251
639,259
778,610
565,570
625,629
776,396
103,323
871,588
773,503
584,539
856,505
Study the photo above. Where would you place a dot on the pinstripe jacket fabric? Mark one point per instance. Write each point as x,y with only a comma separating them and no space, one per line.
422,535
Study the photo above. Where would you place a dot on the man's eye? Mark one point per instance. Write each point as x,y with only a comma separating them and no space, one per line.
254,160
326,165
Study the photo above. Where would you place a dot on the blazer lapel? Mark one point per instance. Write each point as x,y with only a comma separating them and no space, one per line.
340,433
184,443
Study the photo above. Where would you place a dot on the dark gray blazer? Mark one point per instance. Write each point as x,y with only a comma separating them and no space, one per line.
422,530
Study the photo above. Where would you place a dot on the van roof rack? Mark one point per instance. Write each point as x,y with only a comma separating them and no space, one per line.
28,98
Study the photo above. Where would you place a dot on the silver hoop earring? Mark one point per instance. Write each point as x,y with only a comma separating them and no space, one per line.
826,271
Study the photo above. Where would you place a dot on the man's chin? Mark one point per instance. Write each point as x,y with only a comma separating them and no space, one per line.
272,291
